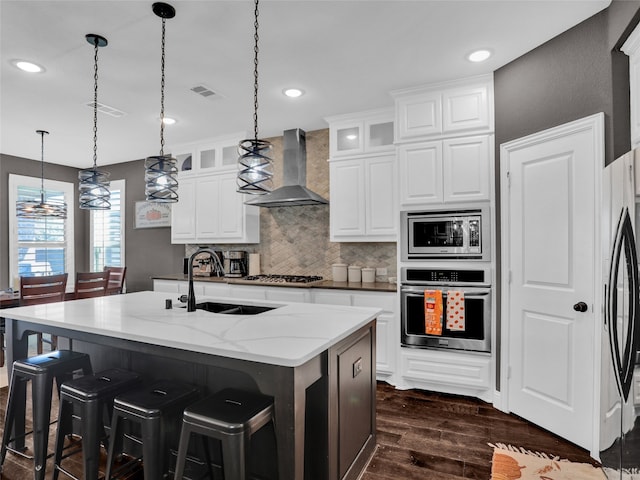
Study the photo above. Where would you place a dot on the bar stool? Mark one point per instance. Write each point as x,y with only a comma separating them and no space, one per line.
231,416
156,409
93,396
41,370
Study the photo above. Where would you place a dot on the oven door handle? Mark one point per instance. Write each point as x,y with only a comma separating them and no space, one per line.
468,293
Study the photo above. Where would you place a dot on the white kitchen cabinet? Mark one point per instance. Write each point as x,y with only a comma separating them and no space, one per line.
206,155
210,210
183,218
466,168
387,323
177,287
459,107
418,114
445,171
361,133
275,294
457,373
363,205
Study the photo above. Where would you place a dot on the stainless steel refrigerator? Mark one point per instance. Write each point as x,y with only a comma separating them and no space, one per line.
620,345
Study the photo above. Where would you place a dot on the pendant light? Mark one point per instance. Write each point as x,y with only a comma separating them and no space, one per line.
94,184
255,167
161,172
35,209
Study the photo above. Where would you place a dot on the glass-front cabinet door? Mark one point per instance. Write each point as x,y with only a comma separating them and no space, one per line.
207,158
379,135
349,140
361,133
208,155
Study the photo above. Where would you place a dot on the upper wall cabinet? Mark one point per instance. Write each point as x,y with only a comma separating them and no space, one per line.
363,205
363,177
445,171
211,211
208,155
361,133
455,108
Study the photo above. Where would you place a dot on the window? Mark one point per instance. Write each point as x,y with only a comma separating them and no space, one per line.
107,231
41,246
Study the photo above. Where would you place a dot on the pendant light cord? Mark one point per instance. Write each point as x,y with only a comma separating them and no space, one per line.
41,132
255,72
95,103
164,21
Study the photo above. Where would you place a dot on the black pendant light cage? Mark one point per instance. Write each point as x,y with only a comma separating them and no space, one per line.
44,207
161,171
255,166
94,184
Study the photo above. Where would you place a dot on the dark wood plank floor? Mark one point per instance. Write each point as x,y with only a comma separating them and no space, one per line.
426,435
421,435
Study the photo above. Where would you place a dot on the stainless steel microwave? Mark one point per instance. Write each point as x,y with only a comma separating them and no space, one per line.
460,233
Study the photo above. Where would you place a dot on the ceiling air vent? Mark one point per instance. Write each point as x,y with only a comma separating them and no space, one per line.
102,108
204,91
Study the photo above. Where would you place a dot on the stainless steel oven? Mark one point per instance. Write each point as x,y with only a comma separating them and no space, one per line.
475,285
446,233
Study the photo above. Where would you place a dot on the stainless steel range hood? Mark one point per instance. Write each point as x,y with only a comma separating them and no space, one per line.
293,191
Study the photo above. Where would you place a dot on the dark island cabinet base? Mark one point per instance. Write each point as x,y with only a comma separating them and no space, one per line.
324,409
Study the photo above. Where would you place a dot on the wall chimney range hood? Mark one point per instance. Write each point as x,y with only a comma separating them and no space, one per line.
293,192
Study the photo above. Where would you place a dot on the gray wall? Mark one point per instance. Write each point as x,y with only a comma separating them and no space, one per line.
572,76
148,251
576,74
23,166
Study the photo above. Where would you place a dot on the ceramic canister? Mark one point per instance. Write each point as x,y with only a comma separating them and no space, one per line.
355,274
339,272
368,275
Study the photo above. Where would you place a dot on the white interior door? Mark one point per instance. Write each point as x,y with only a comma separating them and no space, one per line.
551,185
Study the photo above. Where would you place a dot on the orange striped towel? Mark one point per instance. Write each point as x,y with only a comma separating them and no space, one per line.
433,312
455,310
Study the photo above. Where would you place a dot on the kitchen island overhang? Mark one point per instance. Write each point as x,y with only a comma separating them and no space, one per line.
285,352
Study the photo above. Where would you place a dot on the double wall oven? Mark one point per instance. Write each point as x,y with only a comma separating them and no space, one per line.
446,251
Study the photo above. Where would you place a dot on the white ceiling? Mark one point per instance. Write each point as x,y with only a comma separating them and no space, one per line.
347,55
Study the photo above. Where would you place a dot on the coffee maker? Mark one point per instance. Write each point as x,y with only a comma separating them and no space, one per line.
235,263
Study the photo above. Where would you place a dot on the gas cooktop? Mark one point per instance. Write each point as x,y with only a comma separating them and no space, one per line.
283,278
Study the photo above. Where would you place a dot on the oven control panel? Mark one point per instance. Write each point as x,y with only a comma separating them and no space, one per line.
445,276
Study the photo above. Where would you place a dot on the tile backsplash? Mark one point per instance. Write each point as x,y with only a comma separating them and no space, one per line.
295,240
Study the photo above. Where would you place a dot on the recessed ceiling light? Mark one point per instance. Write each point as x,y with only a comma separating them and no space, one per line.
168,120
293,92
479,55
29,67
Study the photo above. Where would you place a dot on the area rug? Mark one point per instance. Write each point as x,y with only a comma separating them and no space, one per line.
513,463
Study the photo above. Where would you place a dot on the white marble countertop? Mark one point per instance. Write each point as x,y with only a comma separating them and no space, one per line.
289,335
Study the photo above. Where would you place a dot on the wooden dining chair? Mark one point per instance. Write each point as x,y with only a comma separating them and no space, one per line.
45,289
116,279
91,284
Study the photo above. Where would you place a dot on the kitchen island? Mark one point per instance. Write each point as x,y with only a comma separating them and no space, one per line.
317,361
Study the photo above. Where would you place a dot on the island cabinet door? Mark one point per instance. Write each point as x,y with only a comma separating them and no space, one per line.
352,404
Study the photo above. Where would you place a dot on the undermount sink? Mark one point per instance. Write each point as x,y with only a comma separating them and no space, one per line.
232,308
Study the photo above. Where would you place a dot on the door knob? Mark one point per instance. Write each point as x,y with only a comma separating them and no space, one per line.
581,307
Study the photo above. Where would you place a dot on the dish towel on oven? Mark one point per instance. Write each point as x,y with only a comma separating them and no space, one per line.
455,310
433,312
